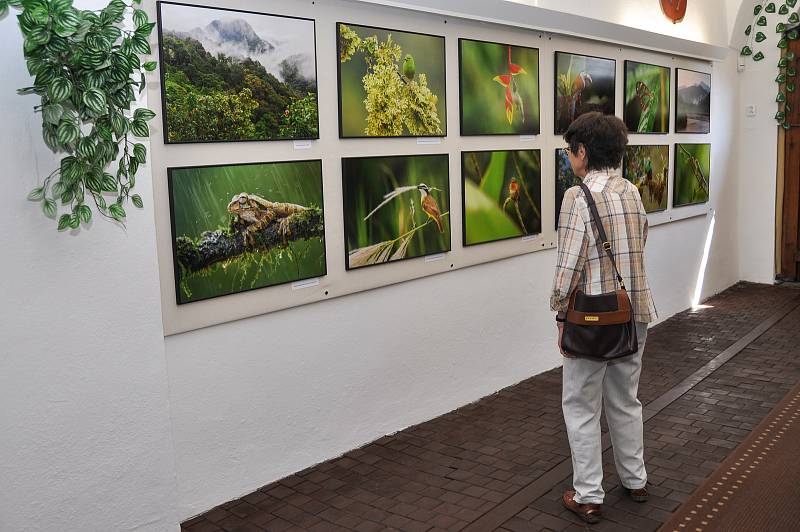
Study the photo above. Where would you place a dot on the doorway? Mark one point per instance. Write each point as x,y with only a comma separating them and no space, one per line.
789,230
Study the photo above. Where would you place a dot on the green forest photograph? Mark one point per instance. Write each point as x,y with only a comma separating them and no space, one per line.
395,208
583,84
565,179
647,167
646,98
499,88
391,83
244,226
692,174
232,75
502,194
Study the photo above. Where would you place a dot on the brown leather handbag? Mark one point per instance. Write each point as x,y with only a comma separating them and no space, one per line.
600,327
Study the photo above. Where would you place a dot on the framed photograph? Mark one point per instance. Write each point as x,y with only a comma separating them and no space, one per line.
692,174
395,208
239,227
647,167
501,195
646,98
583,84
391,83
229,75
692,101
565,179
499,89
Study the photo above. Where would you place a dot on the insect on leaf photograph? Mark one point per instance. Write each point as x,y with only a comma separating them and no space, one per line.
244,226
647,167
499,88
646,98
692,101
692,174
502,193
583,84
235,76
395,208
565,178
391,83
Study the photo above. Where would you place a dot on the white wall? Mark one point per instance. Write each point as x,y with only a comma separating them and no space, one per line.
86,442
85,439
255,400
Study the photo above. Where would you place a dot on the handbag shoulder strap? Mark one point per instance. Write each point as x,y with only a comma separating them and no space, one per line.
595,216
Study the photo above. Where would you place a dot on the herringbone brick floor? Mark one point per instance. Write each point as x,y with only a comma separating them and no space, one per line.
472,468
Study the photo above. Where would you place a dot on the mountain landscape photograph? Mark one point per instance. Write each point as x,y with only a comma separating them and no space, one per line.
693,102
234,75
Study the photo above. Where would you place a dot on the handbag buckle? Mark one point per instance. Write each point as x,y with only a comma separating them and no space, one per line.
607,246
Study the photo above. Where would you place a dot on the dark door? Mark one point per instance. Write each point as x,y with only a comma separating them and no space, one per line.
790,230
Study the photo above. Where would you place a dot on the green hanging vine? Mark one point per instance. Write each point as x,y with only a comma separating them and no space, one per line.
85,69
787,65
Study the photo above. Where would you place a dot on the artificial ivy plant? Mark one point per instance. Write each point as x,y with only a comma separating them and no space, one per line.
787,65
85,68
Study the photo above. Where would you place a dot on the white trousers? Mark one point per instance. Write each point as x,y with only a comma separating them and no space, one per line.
616,383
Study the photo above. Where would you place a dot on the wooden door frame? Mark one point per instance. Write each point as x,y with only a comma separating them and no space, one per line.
787,252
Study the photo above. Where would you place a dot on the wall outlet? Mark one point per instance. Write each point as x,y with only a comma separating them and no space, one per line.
750,110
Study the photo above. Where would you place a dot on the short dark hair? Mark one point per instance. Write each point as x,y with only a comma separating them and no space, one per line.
603,136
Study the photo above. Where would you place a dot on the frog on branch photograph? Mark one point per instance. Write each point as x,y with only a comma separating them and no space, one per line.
245,226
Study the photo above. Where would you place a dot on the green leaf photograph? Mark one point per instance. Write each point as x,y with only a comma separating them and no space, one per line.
583,84
499,88
692,174
391,83
240,227
646,98
502,194
565,179
647,167
692,101
233,75
395,208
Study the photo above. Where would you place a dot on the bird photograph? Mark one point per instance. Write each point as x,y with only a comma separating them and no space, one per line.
646,98
692,172
395,207
391,83
499,88
647,167
565,179
502,195
583,84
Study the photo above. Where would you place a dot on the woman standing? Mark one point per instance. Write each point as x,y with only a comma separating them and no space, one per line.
596,144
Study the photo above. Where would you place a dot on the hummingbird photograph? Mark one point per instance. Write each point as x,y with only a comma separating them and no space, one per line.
583,84
502,195
499,88
395,208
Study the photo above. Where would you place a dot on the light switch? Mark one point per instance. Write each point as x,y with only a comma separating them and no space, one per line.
750,110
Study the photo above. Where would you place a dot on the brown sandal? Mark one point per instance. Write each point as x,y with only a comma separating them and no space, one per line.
591,513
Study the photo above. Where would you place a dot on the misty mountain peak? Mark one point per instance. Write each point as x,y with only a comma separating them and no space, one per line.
234,32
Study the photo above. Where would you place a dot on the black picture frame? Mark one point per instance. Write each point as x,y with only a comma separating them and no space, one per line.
464,199
538,129
346,223
625,98
675,173
339,84
666,181
162,72
176,268
677,87
558,195
555,86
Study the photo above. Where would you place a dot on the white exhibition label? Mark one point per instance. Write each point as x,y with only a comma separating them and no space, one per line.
525,138
302,144
434,258
306,283
529,238
429,140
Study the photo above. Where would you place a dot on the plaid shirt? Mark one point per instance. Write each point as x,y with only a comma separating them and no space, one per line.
581,258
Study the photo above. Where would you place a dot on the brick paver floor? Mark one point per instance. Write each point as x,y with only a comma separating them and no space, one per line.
501,463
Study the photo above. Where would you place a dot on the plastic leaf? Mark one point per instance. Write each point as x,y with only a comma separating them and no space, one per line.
780,28
746,51
758,57
780,98
783,43
783,62
781,78
762,21
770,7
791,3
780,116
790,87
748,29
784,10
794,18
791,71
756,10
790,56
792,35
760,37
